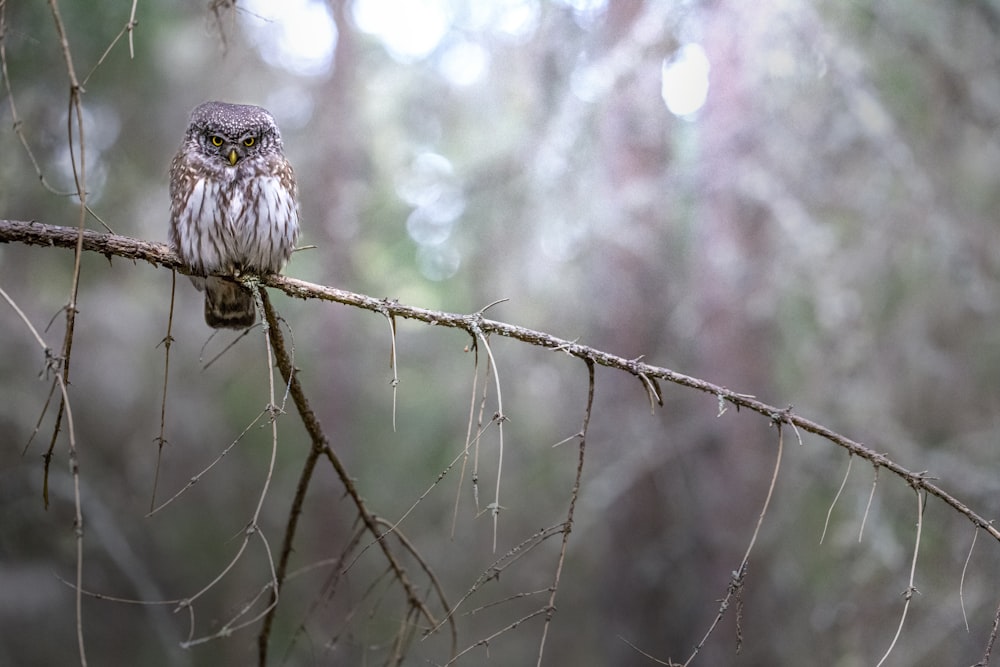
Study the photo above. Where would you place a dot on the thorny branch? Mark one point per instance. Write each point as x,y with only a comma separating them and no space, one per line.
574,496
993,637
77,153
911,589
34,233
253,528
321,448
76,144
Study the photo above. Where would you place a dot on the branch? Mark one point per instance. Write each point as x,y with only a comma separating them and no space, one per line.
34,233
321,446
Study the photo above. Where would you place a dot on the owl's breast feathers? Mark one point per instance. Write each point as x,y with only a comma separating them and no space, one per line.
234,220
264,224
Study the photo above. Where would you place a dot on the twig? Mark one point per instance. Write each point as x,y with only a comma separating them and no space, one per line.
568,526
431,576
394,525
668,663
485,641
131,29
481,424
161,440
393,364
961,583
836,497
17,123
201,473
321,444
652,391
510,598
127,28
499,418
910,588
992,639
468,440
229,346
75,110
326,591
273,410
868,507
738,576
498,566
253,528
58,371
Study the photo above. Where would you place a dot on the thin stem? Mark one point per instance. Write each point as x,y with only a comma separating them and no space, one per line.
161,440
836,497
574,495
910,588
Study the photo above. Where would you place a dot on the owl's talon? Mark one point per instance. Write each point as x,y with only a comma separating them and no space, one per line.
250,280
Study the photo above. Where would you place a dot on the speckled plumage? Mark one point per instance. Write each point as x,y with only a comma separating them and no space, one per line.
233,205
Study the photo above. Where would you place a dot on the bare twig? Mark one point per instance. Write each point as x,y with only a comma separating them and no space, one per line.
161,440
431,576
75,110
18,124
58,370
836,497
481,424
273,411
573,496
499,418
668,663
468,440
394,525
393,364
197,477
961,583
735,587
485,641
991,641
327,590
653,391
910,588
498,566
319,442
249,532
128,28
243,334
868,507
322,448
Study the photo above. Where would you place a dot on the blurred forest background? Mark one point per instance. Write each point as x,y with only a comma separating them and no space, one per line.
819,230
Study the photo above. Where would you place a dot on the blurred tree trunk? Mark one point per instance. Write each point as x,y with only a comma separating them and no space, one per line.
343,167
732,459
685,524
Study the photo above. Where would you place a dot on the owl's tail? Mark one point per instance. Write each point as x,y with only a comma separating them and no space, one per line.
228,305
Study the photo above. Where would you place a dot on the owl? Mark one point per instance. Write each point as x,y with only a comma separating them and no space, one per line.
233,205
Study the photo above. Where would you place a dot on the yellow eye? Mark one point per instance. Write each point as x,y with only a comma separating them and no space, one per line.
248,142
216,140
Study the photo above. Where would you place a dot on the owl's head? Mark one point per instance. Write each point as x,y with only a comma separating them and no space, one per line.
233,132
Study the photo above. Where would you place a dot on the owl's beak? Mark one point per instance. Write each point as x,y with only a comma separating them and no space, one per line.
233,157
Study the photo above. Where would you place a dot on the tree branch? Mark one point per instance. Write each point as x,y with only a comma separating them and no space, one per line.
34,233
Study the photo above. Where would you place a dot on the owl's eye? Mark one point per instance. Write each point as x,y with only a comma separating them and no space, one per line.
216,140
249,141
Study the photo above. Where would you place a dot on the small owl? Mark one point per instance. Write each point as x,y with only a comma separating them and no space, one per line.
232,205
